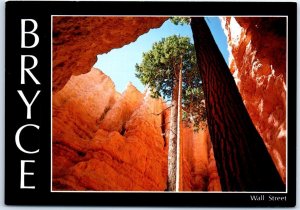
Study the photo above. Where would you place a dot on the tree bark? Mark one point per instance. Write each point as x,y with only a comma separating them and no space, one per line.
172,153
243,161
179,172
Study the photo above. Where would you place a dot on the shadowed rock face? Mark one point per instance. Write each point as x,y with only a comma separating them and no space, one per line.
78,40
258,63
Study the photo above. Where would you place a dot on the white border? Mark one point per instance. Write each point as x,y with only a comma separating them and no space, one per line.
51,93
163,192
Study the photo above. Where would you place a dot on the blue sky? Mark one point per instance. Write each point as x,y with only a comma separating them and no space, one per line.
119,64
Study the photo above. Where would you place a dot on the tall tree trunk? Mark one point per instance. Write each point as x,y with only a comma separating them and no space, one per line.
172,154
179,174
243,161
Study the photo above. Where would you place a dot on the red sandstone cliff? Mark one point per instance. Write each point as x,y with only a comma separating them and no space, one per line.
258,63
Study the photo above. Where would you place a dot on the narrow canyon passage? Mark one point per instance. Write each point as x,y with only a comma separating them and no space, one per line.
107,140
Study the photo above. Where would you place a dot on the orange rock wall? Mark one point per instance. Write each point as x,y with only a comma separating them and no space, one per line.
78,40
258,64
196,152
89,157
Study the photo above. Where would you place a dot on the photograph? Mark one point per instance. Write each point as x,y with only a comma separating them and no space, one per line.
160,111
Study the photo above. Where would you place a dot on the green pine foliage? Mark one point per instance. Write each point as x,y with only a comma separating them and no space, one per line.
157,71
180,20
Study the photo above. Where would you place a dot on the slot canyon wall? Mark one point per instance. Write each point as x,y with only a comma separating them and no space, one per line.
258,64
105,140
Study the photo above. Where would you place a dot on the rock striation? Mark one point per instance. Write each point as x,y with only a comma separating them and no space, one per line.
258,64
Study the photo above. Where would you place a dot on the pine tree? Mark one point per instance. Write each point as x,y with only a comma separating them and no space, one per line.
170,70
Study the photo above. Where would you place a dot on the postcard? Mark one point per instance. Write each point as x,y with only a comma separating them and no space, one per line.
150,103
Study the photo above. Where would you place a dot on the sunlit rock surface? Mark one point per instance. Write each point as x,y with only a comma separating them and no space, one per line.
258,63
119,114
87,156
78,40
